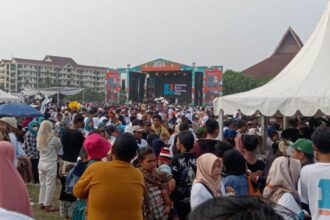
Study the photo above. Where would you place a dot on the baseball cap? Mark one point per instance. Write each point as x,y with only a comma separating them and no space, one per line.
304,145
165,154
137,128
10,120
147,122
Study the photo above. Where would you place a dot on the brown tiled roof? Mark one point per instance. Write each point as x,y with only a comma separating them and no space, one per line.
270,67
98,68
61,61
286,50
30,61
58,62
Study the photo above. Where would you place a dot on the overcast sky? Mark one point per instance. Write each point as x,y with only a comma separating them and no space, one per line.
114,33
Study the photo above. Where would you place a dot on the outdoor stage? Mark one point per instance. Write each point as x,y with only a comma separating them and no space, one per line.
177,83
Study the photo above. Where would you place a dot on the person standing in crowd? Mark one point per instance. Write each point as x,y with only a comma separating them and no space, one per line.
72,140
96,147
200,133
30,148
314,183
207,182
13,192
281,184
184,172
303,151
114,189
89,125
113,133
157,203
147,130
138,132
241,129
8,124
67,200
207,145
255,166
236,178
157,126
48,146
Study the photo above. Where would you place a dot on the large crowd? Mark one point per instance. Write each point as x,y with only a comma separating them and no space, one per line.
160,162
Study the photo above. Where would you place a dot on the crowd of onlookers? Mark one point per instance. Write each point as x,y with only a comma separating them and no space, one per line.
157,162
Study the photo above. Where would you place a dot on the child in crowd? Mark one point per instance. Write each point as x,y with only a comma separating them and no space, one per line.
67,200
165,156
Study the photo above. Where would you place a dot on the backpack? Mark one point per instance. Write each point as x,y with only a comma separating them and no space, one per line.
73,176
79,212
80,209
252,192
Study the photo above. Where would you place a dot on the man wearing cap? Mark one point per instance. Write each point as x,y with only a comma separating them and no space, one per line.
8,124
147,129
138,132
303,151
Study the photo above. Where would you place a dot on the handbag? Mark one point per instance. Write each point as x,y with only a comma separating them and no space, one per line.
79,212
252,192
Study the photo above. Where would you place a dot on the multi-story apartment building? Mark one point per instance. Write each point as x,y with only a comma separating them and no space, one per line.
53,71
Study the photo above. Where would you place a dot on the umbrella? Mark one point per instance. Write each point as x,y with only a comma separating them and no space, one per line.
18,110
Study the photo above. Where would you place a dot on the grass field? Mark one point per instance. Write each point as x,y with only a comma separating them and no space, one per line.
39,214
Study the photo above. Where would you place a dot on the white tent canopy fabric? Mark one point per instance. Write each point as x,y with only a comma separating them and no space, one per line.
52,91
304,85
6,97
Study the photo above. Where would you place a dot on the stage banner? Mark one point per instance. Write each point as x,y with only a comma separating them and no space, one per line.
175,88
112,86
213,84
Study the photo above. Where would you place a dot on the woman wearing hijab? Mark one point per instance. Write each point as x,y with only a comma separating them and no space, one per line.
30,148
235,165
48,146
281,183
13,192
89,125
207,183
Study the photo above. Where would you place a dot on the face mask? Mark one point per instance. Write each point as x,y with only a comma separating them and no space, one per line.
35,129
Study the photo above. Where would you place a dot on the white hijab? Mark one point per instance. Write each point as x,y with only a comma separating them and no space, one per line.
44,135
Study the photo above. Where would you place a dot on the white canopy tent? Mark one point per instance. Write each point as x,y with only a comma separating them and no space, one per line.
52,91
6,97
304,85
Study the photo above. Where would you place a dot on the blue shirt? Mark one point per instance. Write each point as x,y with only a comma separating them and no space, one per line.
238,183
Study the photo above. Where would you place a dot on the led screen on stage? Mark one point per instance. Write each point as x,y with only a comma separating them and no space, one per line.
174,87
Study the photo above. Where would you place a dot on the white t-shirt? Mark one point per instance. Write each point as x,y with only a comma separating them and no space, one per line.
199,194
287,200
143,144
314,189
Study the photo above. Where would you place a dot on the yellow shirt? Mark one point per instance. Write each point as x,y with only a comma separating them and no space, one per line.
160,130
114,191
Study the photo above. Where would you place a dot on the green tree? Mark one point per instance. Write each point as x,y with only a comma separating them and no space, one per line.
236,82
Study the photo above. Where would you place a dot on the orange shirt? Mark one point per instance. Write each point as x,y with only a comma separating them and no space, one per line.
114,190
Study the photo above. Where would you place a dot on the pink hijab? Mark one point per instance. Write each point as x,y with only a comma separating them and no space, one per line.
204,173
13,192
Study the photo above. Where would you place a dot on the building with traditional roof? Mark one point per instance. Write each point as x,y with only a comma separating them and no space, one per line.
286,50
17,74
